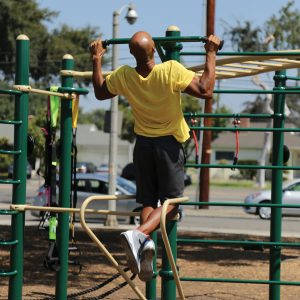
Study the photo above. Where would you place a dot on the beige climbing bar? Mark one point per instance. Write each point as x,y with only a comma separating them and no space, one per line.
167,243
101,246
29,89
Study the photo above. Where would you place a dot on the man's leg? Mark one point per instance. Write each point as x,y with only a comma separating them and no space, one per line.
146,211
151,218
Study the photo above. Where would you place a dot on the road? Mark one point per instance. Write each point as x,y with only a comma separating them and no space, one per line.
214,219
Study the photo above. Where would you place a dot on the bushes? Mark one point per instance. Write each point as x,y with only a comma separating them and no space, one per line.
5,160
248,173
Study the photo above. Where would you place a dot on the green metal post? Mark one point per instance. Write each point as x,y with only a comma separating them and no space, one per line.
172,49
64,183
151,285
20,165
168,285
276,218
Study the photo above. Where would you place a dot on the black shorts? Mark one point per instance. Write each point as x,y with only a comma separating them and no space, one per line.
159,169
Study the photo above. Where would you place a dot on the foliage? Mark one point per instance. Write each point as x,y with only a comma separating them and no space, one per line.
285,27
95,117
255,107
21,17
248,173
191,105
245,38
220,122
5,160
127,122
46,48
293,102
34,129
46,52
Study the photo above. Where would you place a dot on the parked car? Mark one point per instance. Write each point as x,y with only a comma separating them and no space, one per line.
104,168
10,171
128,173
89,184
290,195
85,167
96,184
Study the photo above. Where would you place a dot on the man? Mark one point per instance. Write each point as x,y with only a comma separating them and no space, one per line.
154,93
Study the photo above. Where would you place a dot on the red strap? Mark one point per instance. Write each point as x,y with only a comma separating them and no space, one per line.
196,142
236,122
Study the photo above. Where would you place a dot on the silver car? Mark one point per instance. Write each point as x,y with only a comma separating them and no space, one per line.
290,196
89,184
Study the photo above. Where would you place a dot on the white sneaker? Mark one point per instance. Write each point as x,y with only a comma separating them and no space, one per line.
133,242
146,261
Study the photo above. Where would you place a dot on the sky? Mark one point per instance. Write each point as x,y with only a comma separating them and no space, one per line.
155,16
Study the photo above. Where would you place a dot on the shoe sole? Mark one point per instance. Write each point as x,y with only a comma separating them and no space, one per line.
146,272
131,262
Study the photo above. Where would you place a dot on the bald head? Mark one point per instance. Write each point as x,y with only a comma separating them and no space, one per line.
142,46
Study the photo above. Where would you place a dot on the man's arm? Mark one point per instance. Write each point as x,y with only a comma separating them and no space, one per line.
202,87
100,88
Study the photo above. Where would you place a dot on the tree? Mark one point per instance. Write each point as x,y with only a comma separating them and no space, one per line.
96,117
46,48
245,38
5,160
46,52
285,27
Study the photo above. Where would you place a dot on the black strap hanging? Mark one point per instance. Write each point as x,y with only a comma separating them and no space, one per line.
236,122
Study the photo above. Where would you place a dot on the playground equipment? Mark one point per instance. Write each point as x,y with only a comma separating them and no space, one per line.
241,64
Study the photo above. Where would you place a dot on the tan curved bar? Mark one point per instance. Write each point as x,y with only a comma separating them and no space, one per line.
230,67
241,66
29,89
166,240
101,247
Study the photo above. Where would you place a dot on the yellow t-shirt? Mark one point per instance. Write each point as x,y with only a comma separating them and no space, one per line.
156,99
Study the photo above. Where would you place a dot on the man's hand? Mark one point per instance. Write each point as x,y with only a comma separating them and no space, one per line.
96,48
212,43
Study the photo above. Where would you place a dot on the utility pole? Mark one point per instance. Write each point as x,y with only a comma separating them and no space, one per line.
206,146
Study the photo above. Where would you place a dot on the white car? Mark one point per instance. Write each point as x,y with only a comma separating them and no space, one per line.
290,196
89,184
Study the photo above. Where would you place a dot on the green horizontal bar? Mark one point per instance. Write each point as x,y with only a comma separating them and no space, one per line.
233,280
292,87
257,167
237,243
245,129
10,92
242,204
257,91
4,181
165,39
292,77
10,152
7,273
10,122
192,115
8,212
8,243
79,91
231,53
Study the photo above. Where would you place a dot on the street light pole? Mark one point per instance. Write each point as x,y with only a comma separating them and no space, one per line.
131,17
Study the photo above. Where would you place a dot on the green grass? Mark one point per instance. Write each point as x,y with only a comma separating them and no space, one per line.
233,183
237,183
